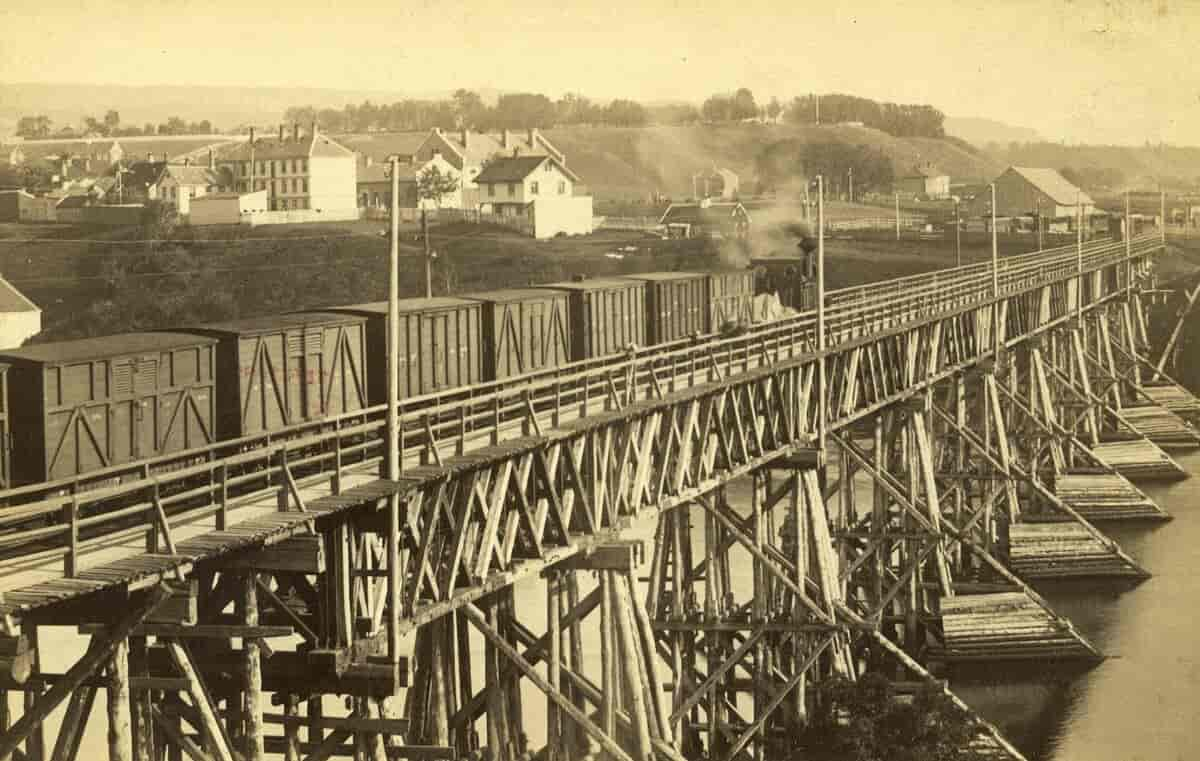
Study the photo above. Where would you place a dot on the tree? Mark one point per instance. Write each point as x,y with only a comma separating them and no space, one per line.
522,110
433,185
743,105
34,127
718,108
625,113
112,122
774,109
468,108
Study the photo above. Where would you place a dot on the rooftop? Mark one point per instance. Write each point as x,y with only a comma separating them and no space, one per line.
266,149
61,352
271,323
1053,184
697,213
518,168
12,300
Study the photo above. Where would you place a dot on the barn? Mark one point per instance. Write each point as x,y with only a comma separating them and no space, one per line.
1027,191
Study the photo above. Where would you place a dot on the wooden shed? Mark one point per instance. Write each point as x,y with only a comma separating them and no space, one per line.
79,406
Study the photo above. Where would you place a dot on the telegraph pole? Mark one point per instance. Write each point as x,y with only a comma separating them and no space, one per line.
393,425
821,402
957,235
428,257
897,216
1162,213
1038,212
850,173
995,279
1079,257
1128,246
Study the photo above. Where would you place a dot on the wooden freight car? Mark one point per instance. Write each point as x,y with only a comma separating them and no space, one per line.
606,315
524,329
440,344
80,406
677,305
731,298
287,369
5,480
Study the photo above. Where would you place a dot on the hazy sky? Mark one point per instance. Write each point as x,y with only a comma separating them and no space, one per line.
1084,70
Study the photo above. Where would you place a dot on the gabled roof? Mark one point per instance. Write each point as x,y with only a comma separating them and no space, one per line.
12,300
381,146
192,174
1054,185
475,148
307,146
517,169
141,174
694,213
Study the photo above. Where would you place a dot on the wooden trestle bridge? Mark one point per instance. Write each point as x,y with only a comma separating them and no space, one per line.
938,441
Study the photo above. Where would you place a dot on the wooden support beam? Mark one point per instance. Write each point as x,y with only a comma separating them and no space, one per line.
181,608
74,723
120,720
616,556
202,631
17,659
276,745
252,650
175,734
209,718
100,651
298,554
352,723
479,621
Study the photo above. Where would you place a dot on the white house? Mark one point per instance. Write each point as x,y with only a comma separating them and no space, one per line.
227,208
298,171
539,189
20,318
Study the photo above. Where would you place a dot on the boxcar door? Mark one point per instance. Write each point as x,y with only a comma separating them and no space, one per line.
313,370
145,412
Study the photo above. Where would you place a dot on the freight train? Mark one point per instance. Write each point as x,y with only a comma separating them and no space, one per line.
72,407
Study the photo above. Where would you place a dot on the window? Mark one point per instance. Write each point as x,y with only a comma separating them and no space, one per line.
533,188
562,187
303,165
491,189
303,186
245,168
512,189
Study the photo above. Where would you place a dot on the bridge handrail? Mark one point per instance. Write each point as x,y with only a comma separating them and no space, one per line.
592,379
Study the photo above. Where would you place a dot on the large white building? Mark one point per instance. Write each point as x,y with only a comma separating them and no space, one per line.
20,318
297,171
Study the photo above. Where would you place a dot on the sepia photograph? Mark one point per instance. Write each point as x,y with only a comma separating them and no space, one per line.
599,381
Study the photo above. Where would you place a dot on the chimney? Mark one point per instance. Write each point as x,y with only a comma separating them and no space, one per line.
164,158
314,129
296,131
251,135
187,160
533,133
505,138
281,133
212,160
149,156
466,133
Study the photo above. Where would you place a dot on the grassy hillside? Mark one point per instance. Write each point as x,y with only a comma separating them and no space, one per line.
617,162
1143,166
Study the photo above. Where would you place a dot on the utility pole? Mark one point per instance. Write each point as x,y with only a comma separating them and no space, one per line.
1079,257
957,235
393,425
897,216
823,391
851,183
995,279
1038,216
1162,213
428,258
817,98
1128,248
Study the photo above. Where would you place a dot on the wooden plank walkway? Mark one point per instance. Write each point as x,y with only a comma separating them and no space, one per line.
127,565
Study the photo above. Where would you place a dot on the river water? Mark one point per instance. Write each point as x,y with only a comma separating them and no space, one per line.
1141,704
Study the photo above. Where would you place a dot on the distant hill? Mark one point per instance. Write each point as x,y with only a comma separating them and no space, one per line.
983,131
225,107
1143,166
617,162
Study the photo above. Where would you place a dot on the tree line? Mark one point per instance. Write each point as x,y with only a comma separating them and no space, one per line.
110,125
784,163
898,119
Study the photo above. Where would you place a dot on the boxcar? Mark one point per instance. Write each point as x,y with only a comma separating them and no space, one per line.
524,329
731,298
606,315
440,345
677,304
4,437
282,370
78,406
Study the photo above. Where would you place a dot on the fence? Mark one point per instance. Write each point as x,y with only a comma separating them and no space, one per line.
445,216
636,224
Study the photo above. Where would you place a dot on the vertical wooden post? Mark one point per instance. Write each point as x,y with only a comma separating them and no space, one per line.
143,700
35,745
608,687
120,737
554,744
633,679
291,730
578,738
252,649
